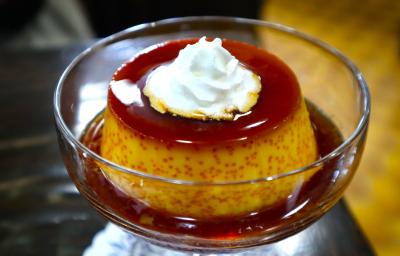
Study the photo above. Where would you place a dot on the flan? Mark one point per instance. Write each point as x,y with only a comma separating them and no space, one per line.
199,166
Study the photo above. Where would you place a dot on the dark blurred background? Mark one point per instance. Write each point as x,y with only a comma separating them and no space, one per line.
42,23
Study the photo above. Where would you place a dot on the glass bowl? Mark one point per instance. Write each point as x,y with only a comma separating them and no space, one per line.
330,82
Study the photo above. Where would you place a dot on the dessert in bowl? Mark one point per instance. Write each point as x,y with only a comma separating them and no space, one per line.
207,137
208,144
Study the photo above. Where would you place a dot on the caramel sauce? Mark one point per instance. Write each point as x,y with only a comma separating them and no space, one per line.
279,97
310,193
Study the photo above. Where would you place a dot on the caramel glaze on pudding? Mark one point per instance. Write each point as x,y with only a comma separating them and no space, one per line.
279,98
275,136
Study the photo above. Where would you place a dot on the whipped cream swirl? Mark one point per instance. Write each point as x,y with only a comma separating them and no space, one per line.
204,82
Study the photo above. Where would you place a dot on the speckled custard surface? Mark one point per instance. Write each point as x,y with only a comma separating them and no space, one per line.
274,137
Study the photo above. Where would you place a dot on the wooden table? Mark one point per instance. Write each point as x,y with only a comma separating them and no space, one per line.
41,212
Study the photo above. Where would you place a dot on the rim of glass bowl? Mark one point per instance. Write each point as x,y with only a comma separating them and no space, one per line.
361,84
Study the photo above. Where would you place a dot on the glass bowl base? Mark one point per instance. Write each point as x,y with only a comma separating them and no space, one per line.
113,240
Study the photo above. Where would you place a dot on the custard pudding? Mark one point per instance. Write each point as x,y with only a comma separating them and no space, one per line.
206,111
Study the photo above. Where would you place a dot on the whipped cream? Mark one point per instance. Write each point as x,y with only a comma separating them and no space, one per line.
204,82
128,93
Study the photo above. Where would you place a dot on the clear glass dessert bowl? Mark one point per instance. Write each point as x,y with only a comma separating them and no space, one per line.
338,102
